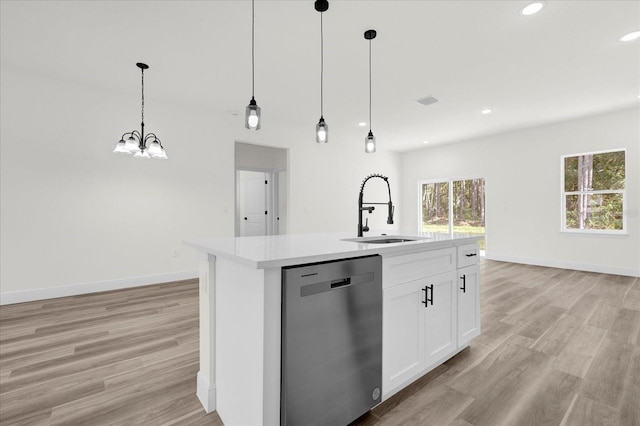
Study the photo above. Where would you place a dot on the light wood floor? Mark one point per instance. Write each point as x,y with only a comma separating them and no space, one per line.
557,347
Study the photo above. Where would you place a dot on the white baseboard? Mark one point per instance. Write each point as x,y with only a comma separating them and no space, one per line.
206,393
551,263
76,289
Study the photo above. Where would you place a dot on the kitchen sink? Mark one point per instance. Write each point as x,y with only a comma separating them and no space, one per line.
384,239
388,240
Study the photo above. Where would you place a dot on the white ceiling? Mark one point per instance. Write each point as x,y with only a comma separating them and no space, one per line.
563,62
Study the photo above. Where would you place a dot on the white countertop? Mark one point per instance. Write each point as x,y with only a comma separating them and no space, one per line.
283,250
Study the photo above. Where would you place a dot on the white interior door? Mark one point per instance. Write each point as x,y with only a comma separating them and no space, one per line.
252,207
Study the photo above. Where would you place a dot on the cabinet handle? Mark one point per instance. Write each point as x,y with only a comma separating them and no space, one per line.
471,254
464,283
426,295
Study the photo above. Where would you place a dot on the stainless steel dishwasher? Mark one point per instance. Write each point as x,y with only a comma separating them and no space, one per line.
331,341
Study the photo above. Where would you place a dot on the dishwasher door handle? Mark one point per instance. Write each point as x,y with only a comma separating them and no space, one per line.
340,283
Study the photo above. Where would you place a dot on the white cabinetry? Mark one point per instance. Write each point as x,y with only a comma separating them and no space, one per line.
468,304
440,317
418,318
468,294
402,334
431,310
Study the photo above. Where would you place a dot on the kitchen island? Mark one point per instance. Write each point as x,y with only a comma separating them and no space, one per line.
240,310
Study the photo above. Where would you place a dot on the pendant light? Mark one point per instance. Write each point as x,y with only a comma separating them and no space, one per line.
322,129
252,119
136,142
370,140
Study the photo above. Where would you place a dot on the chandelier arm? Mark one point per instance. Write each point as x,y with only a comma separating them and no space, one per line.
133,133
151,135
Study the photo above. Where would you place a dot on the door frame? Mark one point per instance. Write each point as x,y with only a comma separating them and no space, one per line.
272,203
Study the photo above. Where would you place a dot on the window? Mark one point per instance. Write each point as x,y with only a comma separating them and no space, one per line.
593,192
463,198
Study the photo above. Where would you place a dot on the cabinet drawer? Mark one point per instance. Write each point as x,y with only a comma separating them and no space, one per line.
468,254
410,267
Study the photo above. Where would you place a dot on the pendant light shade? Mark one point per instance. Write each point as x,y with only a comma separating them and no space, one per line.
370,140
120,148
155,149
252,117
131,145
135,142
142,154
322,129
370,143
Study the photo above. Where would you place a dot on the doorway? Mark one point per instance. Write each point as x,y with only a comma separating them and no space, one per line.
261,190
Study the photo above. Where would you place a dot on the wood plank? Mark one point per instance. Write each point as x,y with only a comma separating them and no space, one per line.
606,379
549,398
626,327
586,411
580,350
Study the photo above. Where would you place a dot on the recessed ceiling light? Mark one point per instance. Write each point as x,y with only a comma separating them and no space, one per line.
487,111
425,141
532,8
428,100
631,36
362,124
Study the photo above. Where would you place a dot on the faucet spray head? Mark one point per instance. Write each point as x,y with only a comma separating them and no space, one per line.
391,210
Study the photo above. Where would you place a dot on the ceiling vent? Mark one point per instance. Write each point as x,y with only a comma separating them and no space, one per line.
428,100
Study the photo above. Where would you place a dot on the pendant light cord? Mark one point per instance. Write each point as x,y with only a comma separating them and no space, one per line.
253,71
370,85
321,67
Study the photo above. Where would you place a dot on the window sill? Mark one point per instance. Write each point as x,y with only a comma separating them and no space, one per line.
587,233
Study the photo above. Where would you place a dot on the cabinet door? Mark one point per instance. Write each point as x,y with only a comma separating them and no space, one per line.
468,304
440,328
402,334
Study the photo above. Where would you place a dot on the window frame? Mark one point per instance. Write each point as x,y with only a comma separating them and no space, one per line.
564,194
449,182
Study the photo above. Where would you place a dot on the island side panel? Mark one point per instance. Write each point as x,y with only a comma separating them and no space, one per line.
247,358
272,344
206,379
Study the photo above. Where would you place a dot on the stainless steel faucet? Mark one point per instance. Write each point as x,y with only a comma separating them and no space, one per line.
370,206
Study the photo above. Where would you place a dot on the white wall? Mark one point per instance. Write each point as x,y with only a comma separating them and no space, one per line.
75,217
522,171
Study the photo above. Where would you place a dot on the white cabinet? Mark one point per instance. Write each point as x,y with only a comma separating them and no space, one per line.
440,329
431,311
418,327
410,267
468,255
419,314
402,334
468,304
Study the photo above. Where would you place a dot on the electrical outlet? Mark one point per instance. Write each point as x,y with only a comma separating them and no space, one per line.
176,253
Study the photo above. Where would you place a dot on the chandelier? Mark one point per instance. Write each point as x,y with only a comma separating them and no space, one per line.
137,143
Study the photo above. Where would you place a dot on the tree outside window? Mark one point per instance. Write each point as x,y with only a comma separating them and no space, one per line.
465,200
593,192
